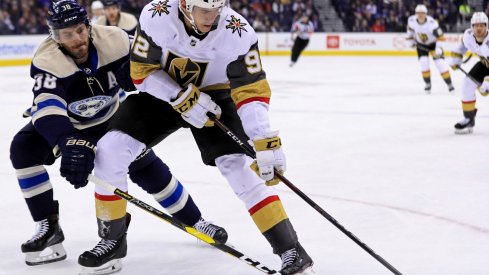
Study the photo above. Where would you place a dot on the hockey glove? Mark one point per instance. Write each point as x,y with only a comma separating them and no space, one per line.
123,77
455,60
269,156
484,87
194,105
411,43
77,159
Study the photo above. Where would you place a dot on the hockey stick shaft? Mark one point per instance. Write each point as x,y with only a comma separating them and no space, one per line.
188,229
468,75
251,152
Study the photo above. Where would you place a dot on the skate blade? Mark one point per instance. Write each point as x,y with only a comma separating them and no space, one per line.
50,254
107,268
465,131
307,271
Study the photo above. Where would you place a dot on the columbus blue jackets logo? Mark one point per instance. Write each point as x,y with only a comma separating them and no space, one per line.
90,106
159,8
236,25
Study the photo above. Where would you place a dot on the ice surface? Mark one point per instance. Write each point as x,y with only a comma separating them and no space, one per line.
362,139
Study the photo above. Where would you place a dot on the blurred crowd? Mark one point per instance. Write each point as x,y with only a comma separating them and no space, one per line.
392,15
29,16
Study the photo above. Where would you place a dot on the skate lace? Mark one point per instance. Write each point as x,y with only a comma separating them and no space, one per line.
288,257
42,228
206,227
103,247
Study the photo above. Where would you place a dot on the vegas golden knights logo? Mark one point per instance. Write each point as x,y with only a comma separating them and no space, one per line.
185,71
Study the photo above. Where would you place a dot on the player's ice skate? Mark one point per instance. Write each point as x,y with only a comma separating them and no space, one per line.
427,88
451,88
104,258
296,261
218,233
45,246
465,126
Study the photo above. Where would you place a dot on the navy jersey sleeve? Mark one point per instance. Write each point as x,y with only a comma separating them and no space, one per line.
49,114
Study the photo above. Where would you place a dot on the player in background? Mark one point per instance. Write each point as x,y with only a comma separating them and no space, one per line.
476,41
301,33
97,9
78,72
191,57
423,33
113,16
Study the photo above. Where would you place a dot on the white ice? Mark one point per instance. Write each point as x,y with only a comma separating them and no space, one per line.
362,140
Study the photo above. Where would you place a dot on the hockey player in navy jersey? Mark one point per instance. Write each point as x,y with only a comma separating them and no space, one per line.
78,72
113,16
191,57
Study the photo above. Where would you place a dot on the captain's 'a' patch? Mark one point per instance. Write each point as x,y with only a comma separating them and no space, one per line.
159,8
236,25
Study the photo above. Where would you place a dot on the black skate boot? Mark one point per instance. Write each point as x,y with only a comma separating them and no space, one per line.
218,233
450,88
296,261
46,245
466,125
427,88
105,257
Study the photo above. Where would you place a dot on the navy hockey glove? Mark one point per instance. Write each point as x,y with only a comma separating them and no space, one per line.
77,159
123,76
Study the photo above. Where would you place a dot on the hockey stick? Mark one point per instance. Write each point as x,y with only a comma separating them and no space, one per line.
188,229
296,190
473,79
468,75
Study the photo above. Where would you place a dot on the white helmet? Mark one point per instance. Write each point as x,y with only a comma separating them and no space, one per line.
421,8
205,4
96,5
478,17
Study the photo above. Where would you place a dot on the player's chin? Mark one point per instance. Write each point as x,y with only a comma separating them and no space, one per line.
205,28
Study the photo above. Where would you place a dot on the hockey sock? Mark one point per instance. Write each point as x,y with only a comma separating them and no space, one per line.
37,190
157,180
426,76
270,217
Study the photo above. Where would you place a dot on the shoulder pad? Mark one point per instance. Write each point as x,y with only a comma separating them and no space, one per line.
102,20
112,43
51,59
127,21
159,8
154,20
237,28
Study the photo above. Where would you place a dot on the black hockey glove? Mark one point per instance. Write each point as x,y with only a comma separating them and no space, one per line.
77,159
123,76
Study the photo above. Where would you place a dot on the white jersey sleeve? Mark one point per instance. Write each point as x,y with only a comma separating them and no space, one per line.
147,53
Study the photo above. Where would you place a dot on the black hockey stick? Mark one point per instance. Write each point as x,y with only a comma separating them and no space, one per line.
188,229
468,75
471,78
296,190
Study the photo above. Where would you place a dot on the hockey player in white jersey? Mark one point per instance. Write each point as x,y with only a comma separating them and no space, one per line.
189,58
423,33
475,40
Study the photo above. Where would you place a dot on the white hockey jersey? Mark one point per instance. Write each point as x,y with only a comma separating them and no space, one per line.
427,33
469,43
166,56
